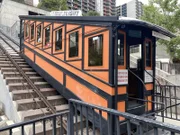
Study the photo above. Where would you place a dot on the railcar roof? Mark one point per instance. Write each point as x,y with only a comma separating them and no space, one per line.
102,19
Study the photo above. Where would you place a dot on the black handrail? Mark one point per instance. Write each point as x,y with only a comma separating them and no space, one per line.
144,99
154,78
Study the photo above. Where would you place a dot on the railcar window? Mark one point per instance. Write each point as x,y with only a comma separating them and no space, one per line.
96,51
148,54
47,36
32,32
58,42
121,50
39,33
73,44
26,30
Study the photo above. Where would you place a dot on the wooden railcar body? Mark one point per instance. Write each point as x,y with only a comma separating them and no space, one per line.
78,69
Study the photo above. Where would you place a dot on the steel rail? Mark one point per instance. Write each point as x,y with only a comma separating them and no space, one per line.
42,97
51,108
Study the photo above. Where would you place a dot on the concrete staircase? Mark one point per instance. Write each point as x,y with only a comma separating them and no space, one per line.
26,102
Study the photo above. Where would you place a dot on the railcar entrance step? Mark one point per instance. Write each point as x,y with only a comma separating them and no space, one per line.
136,108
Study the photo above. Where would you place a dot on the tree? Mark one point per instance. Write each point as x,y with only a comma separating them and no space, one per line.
92,13
166,13
53,5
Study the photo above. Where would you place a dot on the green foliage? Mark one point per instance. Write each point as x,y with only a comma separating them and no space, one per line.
51,5
92,13
165,13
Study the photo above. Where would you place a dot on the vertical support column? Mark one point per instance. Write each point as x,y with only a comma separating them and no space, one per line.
71,119
154,70
20,35
114,128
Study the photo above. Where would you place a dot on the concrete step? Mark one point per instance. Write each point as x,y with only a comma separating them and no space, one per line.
33,114
19,60
5,123
11,65
3,118
36,103
10,69
90,132
4,59
9,62
22,86
17,57
10,80
39,129
17,74
24,94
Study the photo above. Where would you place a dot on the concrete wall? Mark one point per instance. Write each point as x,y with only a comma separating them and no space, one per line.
10,11
8,105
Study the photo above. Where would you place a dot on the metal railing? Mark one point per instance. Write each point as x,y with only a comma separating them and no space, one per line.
38,124
86,119
171,97
160,74
171,68
12,31
106,121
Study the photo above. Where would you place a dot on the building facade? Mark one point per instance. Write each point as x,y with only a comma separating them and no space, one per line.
109,7
132,9
84,5
104,7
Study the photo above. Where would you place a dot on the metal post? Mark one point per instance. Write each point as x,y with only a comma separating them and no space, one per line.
114,128
70,120
162,113
20,35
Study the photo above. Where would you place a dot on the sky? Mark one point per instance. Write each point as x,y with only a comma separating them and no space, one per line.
120,2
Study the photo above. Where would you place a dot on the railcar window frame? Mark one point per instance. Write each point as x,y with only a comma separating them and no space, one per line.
99,51
45,43
76,54
121,50
41,33
60,41
148,54
32,25
26,32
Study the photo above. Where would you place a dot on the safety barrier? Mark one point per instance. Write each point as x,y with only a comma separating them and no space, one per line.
170,95
95,120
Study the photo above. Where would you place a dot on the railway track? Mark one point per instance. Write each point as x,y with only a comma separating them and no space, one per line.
32,96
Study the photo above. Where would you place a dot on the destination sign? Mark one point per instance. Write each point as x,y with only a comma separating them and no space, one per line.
66,13
161,36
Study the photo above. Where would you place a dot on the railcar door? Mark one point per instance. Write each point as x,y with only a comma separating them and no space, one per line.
135,65
134,61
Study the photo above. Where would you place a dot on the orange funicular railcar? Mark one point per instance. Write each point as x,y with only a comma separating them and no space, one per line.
94,59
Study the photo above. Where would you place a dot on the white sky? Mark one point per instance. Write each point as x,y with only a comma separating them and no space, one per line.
120,2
